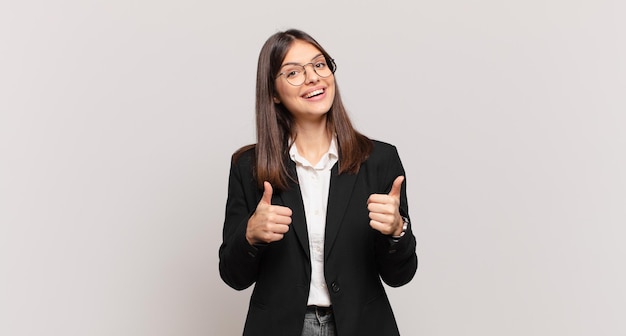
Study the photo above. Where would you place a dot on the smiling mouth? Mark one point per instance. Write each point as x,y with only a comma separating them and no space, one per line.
314,93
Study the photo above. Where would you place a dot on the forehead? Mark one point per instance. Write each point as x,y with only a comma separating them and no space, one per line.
301,52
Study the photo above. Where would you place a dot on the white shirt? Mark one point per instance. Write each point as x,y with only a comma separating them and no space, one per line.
314,184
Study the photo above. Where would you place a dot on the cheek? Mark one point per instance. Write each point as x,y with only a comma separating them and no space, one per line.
283,91
331,86
331,92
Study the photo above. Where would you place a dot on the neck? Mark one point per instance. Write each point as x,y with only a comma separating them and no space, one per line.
312,141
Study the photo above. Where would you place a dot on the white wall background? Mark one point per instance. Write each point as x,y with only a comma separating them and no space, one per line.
118,118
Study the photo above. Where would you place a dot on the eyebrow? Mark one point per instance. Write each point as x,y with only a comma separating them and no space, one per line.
294,63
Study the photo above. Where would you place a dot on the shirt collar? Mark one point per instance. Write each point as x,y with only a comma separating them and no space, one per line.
327,160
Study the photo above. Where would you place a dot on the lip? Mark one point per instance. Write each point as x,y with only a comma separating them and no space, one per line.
312,90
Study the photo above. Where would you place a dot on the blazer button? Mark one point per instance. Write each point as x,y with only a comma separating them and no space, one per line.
335,287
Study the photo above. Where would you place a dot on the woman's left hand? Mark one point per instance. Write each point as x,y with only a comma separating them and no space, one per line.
385,210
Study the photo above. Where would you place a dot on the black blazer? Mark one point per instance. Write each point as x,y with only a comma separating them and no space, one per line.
356,256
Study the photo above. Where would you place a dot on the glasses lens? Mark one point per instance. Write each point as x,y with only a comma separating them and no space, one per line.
294,74
322,68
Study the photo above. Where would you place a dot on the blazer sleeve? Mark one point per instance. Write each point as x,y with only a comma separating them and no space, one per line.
397,261
239,261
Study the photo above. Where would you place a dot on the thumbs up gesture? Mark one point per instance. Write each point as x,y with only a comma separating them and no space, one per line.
385,210
269,222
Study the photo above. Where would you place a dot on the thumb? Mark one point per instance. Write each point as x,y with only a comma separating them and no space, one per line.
267,193
396,187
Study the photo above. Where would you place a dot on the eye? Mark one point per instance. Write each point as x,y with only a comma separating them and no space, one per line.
320,64
292,73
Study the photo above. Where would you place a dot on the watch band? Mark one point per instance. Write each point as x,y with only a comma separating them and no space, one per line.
405,226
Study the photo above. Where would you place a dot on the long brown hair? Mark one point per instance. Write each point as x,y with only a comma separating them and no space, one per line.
274,123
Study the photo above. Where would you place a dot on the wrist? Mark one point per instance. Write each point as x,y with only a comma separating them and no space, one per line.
405,225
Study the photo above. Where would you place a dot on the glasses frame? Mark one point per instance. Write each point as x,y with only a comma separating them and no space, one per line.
330,62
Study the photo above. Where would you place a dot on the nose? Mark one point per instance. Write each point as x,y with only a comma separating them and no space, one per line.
311,75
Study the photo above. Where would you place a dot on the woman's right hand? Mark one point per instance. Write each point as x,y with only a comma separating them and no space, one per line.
269,222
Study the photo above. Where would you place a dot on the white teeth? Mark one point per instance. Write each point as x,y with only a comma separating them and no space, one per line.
314,93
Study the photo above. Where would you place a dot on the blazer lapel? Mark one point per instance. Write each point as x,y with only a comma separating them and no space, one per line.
338,198
292,198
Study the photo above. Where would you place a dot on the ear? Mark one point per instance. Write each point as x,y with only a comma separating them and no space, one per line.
276,100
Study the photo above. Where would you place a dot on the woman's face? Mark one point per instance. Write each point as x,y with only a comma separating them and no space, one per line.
313,99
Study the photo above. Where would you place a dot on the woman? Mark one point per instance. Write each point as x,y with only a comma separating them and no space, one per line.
316,212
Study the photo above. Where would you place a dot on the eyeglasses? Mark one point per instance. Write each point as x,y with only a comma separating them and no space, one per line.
295,74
